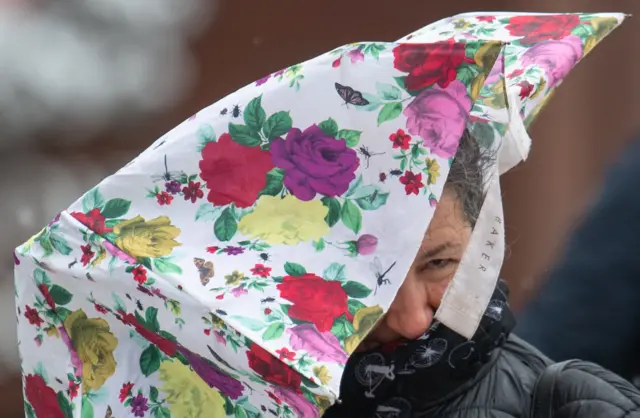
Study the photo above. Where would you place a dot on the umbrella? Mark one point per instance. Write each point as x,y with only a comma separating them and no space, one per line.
233,266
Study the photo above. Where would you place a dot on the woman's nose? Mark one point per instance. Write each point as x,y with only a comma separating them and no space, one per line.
411,315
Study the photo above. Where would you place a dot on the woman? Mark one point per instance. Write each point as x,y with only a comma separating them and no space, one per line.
233,267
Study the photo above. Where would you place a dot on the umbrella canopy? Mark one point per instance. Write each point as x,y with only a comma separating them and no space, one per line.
232,267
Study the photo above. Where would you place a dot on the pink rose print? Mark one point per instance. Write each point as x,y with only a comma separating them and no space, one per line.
556,58
438,116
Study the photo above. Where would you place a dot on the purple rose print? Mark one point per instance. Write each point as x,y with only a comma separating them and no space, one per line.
556,58
321,346
438,116
139,405
301,406
212,375
356,55
366,244
314,163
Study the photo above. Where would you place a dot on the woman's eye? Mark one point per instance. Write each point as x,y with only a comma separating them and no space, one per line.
439,263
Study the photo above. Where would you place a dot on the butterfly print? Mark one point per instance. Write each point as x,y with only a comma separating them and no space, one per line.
351,96
206,270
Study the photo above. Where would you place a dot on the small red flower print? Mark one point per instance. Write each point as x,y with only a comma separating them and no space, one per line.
207,331
212,249
267,311
382,177
125,391
486,18
100,308
516,73
336,63
412,182
400,139
33,316
73,390
285,354
41,397
261,270
164,198
220,297
525,89
87,254
93,220
193,192
44,289
139,274
275,398
540,28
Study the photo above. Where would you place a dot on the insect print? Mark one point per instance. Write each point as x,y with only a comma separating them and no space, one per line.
380,273
364,151
168,176
235,111
382,177
206,270
268,300
265,257
351,96
221,312
395,173
224,111
109,413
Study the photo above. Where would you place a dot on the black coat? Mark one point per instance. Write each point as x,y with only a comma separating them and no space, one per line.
506,386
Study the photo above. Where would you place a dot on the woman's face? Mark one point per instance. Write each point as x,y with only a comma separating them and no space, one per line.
443,245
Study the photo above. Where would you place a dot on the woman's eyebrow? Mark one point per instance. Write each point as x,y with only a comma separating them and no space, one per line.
433,252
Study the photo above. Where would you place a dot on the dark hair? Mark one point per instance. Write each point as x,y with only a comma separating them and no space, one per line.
467,175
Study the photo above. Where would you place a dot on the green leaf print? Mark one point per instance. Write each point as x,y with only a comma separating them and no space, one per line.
205,135
329,127
239,412
374,102
87,408
116,208
351,137
354,305
150,360
41,277
351,216
277,125
60,295
356,290
388,91
466,74
244,135
254,114
153,394
60,244
65,406
389,111
225,226
274,331
342,328
333,216
92,199
295,270
207,212
29,411
335,271
151,319
164,265
319,245
274,186
369,197
583,31
250,323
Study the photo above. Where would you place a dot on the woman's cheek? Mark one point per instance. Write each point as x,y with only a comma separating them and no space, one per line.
436,291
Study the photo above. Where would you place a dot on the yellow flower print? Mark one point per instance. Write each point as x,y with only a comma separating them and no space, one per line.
363,321
234,278
433,170
322,373
322,403
285,220
187,394
140,238
94,344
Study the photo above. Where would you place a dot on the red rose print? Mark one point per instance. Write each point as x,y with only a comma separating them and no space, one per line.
271,369
87,254
193,192
139,274
41,397
165,345
517,72
93,220
33,316
412,182
314,300
488,19
535,29
428,64
234,173
261,270
125,391
164,198
400,139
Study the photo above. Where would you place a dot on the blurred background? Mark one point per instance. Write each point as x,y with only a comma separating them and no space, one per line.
85,85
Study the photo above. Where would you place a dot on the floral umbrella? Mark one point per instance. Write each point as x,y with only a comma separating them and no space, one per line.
231,268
